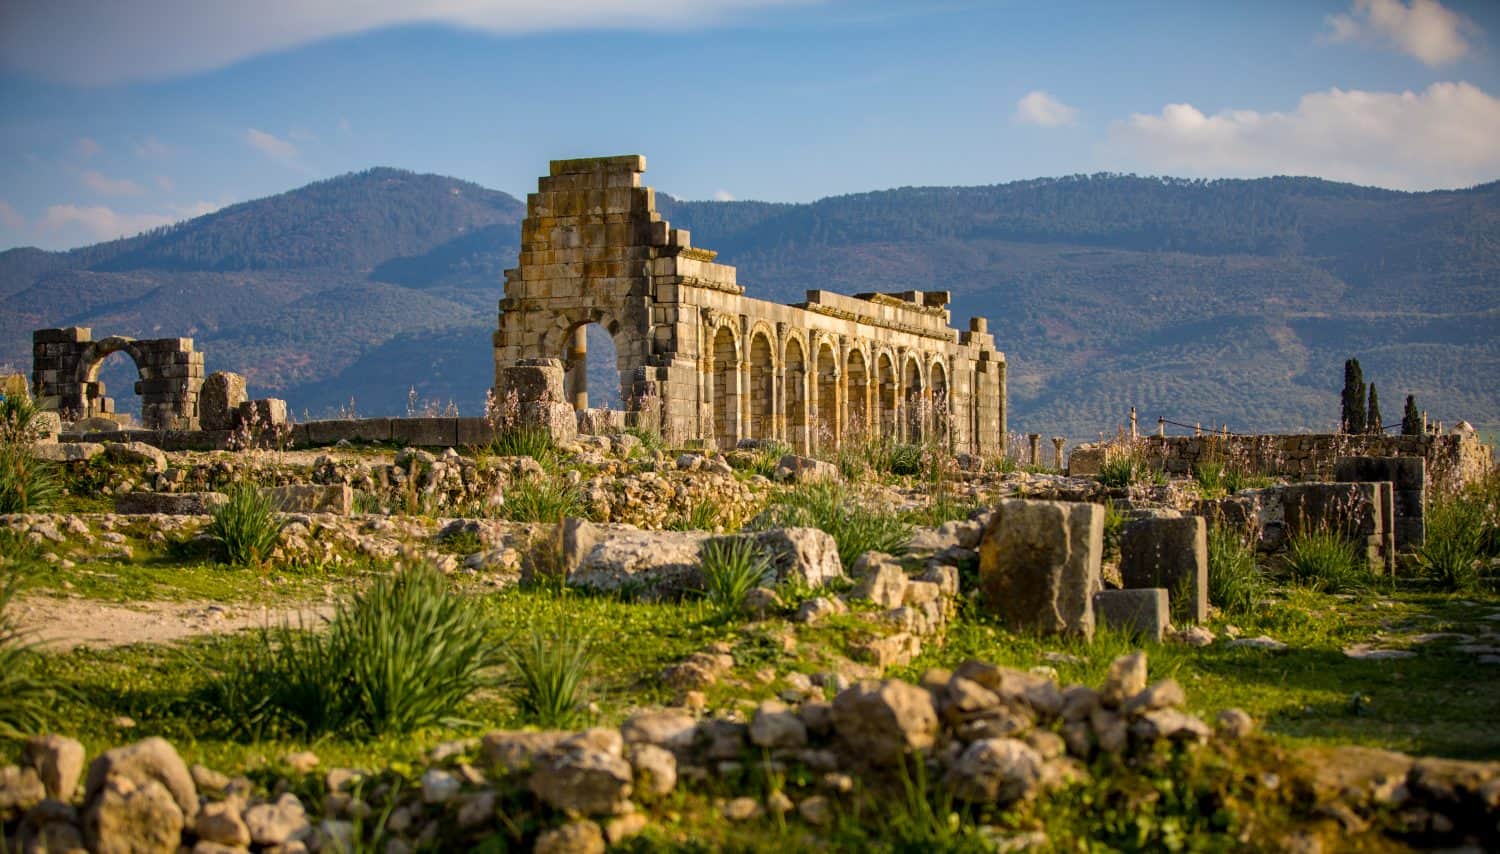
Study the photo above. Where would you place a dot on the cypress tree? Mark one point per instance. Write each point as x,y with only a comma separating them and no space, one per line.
1352,419
1411,419
1373,421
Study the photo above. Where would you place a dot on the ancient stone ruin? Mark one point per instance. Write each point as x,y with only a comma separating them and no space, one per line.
707,364
65,374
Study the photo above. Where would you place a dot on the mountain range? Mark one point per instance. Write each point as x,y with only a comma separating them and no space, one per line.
1225,302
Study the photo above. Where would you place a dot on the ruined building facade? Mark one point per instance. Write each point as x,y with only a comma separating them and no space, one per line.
703,362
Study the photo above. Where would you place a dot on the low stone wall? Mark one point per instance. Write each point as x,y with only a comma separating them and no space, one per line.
1452,460
413,432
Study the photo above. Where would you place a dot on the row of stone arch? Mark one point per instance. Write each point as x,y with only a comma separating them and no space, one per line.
812,396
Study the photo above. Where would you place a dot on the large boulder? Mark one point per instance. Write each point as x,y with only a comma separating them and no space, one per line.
585,774
1039,565
152,759
313,498
620,558
136,453
133,816
168,503
881,722
66,452
807,555
58,761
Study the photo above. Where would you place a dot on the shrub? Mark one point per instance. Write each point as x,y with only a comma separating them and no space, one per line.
523,441
1234,579
900,458
246,526
768,458
1210,478
1119,471
855,527
1236,479
700,516
1456,543
26,698
1325,560
1114,522
399,656
27,484
546,499
732,567
548,671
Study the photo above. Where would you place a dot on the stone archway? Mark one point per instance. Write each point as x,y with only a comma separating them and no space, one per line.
916,402
574,351
762,392
724,387
857,384
66,376
795,383
827,370
886,392
941,404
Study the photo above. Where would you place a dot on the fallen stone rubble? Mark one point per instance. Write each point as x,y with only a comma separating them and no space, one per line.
992,735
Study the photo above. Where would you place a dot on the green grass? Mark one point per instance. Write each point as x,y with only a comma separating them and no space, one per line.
1326,560
832,507
1235,583
524,441
1120,471
548,672
1463,533
27,697
246,526
732,567
542,499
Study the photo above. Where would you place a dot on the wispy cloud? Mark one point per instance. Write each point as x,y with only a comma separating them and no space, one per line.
165,183
101,222
271,145
89,43
1044,109
1443,136
87,147
723,196
1424,29
107,186
10,217
151,147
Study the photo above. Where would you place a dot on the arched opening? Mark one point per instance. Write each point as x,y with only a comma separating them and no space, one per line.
117,370
724,393
886,391
828,397
941,406
796,395
762,393
857,384
916,403
595,379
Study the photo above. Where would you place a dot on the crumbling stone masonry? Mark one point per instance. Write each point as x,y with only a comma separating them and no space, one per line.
65,375
705,363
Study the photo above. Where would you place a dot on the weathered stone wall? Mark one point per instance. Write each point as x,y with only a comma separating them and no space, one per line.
705,363
1451,459
65,375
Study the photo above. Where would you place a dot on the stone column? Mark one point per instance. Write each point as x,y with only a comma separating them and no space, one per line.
1036,447
578,368
1057,451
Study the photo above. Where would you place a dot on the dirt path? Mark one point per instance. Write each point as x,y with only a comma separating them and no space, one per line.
62,624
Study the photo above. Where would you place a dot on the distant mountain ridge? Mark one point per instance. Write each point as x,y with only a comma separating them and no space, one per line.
1227,302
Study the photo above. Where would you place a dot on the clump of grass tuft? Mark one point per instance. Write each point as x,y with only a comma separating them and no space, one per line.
1114,523
546,499
1236,479
1234,580
831,507
523,440
1209,476
699,516
768,457
399,656
1455,548
26,698
732,567
1327,561
548,672
246,526
900,458
1120,471
27,484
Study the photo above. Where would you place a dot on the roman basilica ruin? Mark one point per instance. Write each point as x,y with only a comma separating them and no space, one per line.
707,363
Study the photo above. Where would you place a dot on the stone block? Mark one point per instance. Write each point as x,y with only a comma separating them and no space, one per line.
66,452
219,400
1408,478
1172,554
474,432
313,498
168,503
601,422
1362,512
425,432
263,414
1039,565
1143,612
332,431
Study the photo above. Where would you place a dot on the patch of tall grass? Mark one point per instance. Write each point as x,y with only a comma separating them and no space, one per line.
1461,536
26,697
27,484
522,440
548,672
1235,583
399,656
732,567
832,507
246,526
542,499
1326,561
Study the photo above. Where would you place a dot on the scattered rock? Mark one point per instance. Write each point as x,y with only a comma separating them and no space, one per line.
58,762
575,837
881,722
996,770
584,774
221,823
279,822
741,809
1125,679
132,815
150,759
655,769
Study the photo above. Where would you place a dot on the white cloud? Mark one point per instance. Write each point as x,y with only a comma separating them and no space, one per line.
165,183
271,145
1424,29
151,147
107,186
89,43
9,216
100,222
723,196
1442,137
87,147
1040,108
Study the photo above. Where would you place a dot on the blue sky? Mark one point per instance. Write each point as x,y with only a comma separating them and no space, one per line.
117,119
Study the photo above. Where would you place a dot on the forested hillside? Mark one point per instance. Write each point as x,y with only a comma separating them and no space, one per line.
1226,302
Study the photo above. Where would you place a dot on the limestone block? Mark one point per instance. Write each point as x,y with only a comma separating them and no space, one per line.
474,432
219,400
1171,554
66,452
263,413
1408,478
807,555
1142,611
168,503
1039,564
425,432
313,498
329,432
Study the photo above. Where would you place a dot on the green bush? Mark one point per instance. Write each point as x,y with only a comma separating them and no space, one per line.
545,499
1210,478
26,698
700,516
27,484
246,526
523,441
1455,548
1326,560
901,458
399,656
732,567
1119,472
1236,479
548,672
768,458
830,507
1234,580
